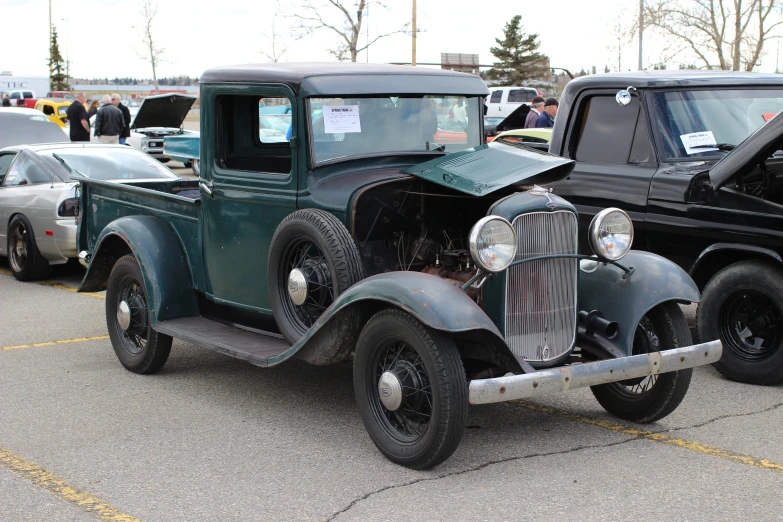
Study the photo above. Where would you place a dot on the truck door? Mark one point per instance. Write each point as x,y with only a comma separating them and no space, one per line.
248,185
495,105
615,161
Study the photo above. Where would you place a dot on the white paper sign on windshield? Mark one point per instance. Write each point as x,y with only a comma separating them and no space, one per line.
341,118
695,141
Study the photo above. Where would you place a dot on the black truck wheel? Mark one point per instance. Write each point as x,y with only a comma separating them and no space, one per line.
26,262
651,398
139,348
411,389
312,260
742,305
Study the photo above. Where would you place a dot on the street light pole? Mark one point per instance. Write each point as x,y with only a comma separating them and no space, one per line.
413,36
50,43
641,31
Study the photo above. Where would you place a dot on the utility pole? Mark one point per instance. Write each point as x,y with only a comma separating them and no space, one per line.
641,31
413,36
50,43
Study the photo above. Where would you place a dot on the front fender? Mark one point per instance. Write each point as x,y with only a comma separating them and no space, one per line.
431,300
164,266
655,280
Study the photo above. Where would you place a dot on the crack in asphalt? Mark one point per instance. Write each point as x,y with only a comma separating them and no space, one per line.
477,468
722,417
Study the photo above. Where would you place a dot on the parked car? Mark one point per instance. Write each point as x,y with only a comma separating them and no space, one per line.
54,109
22,98
438,278
684,153
536,138
19,126
62,95
38,201
504,100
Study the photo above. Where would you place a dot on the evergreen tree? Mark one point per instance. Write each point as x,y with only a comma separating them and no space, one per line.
517,56
58,80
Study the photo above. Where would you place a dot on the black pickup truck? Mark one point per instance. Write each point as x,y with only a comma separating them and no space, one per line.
693,158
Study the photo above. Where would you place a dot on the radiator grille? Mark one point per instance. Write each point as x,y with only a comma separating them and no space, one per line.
541,295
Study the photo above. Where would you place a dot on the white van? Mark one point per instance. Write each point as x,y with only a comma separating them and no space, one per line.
503,100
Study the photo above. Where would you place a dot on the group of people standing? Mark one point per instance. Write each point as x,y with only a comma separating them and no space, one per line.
112,119
542,113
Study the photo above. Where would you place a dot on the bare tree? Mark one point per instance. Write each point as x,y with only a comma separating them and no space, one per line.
724,34
152,53
623,29
344,18
275,45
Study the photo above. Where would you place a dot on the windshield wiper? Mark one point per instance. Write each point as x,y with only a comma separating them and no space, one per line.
723,147
68,167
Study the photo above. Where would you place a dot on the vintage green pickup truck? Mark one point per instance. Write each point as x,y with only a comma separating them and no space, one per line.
434,262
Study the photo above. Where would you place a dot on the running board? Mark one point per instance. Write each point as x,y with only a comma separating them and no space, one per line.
255,348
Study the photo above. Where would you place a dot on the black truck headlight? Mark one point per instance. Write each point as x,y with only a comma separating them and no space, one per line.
611,234
492,243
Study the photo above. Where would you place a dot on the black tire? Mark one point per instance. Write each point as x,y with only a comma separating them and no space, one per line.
742,305
196,166
139,348
187,164
419,434
317,243
24,258
651,398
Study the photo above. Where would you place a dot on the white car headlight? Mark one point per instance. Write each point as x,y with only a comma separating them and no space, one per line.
492,243
611,234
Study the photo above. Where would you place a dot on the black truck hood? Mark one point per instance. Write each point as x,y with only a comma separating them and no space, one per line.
487,168
759,145
163,110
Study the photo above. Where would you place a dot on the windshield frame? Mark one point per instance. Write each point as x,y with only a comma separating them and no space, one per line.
313,164
655,128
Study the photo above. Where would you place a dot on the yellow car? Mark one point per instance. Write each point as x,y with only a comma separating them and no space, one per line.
527,136
54,109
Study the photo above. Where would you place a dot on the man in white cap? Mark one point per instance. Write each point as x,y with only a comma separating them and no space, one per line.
109,122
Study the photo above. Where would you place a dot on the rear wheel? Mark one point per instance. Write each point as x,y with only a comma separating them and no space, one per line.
742,305
139,348
196,166
24,259
651,398
411,390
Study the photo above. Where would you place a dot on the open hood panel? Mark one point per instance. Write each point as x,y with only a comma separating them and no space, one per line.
164,110
760,145
487,168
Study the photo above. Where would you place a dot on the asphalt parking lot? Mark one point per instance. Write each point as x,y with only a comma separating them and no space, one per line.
212,438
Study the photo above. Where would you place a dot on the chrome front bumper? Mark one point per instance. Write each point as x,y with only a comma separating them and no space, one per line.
500,389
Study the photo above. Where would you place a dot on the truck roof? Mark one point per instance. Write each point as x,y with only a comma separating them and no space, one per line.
678,78
348,78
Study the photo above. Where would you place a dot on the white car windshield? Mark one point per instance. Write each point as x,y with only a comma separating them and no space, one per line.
110,163
689,122
347,127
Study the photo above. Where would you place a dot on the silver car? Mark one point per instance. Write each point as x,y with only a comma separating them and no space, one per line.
38,202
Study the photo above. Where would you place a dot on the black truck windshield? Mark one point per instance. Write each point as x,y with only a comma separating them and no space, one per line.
346,127
706,123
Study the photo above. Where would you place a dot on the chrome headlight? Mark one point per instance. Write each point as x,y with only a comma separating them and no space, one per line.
611,234
492,243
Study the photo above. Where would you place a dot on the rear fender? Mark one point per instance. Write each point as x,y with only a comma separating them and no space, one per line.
654,281
431,300
164,266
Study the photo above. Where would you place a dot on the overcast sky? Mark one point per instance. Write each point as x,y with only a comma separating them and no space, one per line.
100,38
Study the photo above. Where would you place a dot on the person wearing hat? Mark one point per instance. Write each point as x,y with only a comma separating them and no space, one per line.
547,118
536,108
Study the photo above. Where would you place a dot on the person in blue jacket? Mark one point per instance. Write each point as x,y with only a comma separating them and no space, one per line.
547,118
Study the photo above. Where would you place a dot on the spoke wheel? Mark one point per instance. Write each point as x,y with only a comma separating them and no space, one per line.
411,389
137,345
652,397
24,259
751,325
306,257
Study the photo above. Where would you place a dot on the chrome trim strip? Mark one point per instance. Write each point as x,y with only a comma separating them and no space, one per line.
501,389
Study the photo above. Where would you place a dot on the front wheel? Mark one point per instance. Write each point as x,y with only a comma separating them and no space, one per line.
411,390
196,166
651,398
139,348
26,262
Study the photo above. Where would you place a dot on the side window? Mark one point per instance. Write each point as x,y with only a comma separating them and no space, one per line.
606,131
14,95
642,151
496,96
28,94
26,171
254,133
48,110
5,162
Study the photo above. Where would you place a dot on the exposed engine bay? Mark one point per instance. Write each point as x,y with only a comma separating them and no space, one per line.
418,226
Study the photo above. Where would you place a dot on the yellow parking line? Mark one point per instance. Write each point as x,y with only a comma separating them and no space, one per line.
61,488
59,286
53,343
691,445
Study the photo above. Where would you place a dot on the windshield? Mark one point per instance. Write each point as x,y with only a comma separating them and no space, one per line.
345,127
107,163
690,121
